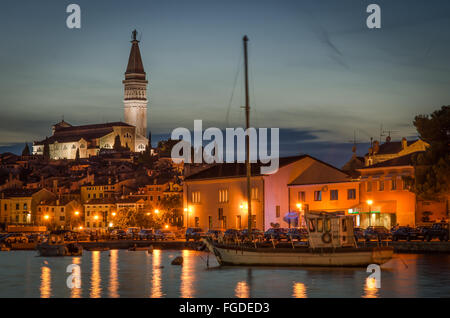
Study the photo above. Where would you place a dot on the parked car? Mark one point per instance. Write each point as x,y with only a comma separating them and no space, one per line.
215,234
14,238
232,234
166,234
132,233
118,235
359,233
146,234
277,234
406,233
297,234
378,233
194,233
437,230
256,234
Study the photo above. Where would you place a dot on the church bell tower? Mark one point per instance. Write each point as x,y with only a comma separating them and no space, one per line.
135,86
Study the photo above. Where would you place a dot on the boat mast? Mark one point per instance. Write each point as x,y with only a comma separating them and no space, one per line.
247,137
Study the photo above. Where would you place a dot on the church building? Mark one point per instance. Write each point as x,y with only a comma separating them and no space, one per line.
88,140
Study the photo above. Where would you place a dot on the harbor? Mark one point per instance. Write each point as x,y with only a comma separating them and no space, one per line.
123,273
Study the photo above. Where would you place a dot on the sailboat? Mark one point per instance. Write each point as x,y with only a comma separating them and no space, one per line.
331,238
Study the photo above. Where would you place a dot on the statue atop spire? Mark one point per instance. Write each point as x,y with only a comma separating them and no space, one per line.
134,35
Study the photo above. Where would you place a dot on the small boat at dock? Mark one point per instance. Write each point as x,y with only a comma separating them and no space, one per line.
55,245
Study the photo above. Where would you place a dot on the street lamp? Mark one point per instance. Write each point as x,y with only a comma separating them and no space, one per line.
77,213
156,211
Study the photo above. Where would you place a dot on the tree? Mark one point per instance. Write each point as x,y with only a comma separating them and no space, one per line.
117,144
46,150
172,207
26,150
432,168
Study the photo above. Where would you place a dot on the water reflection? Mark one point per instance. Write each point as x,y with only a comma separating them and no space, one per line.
370,288
187,275
46,282
96,288
242,290
299,290
76,292
156,277
114,273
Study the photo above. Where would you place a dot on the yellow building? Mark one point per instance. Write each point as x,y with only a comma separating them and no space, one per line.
19,206
98,213
59,213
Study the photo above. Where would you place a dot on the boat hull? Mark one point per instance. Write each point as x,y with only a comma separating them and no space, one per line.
59,250
351,257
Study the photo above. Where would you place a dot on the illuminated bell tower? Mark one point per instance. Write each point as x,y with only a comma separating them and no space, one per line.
135,95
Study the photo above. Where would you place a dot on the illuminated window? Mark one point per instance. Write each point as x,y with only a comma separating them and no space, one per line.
317,195
223,195
195,197
278,211
255,193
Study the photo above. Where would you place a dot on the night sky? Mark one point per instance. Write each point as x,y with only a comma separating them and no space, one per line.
316,70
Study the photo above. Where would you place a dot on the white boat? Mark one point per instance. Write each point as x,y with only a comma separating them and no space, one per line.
331,243
55,245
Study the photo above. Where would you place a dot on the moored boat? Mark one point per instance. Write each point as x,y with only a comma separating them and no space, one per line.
55,245
331,243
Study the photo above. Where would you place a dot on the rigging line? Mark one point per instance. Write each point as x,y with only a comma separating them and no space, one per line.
234,88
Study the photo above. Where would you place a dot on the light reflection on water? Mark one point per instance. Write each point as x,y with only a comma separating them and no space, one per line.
122,273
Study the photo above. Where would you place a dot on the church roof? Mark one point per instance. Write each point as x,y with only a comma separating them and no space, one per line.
87,132
135,65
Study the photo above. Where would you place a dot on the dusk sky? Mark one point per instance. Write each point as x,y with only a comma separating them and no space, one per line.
316,70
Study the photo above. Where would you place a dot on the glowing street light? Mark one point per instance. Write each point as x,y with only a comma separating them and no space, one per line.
46,216
111,224
113,214
156,211
95,217
77,212
299,206
166,226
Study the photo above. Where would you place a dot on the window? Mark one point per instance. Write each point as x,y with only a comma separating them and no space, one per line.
301,196
62,218
344,225
89,195
327,224
369,186
317,195
255,194
351,194
224,222
195,197
223,195
253,221
394,184
25,206
62,209
17,206
6,207
334,195
220,213
277,211
94,195
381,186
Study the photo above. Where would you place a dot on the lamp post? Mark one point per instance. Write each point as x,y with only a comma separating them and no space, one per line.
369,203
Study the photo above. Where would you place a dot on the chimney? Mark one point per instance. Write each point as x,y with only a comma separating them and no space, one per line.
404,143
42,181
376,147
55,185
